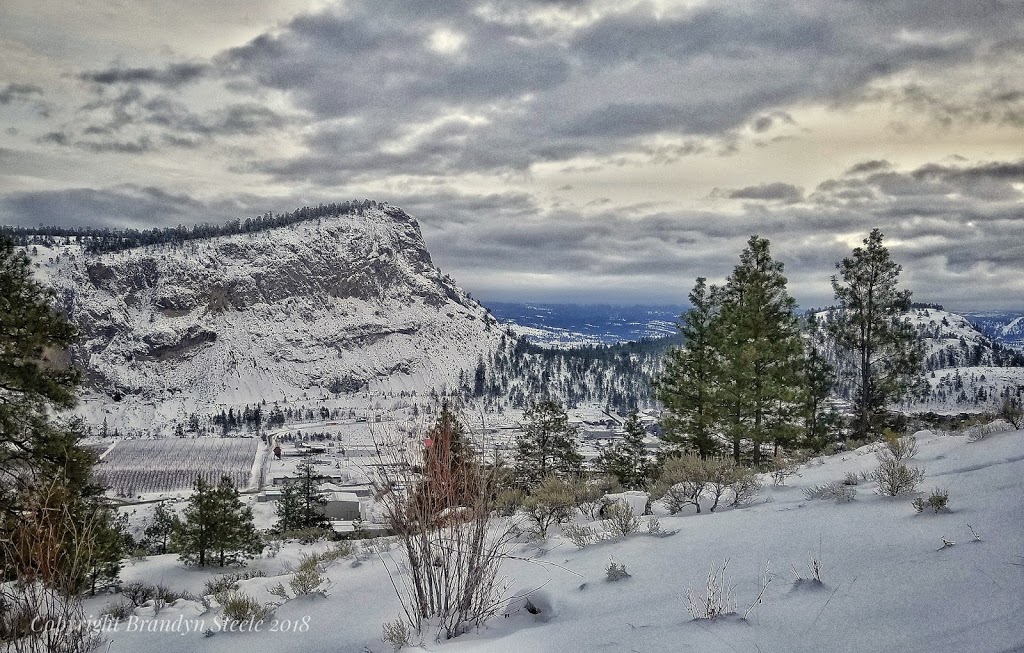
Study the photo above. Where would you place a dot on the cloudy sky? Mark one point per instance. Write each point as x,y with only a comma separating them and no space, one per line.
563,151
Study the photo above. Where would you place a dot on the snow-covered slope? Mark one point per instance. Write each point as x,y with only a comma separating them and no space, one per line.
888,584
172,329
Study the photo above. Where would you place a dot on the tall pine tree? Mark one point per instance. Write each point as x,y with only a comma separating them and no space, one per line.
761,351
882,355
688,383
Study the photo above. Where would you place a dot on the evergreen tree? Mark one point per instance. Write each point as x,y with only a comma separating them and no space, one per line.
688,383
761,351
217,526
112,543
35,380
882,354
301,504
821,421
628,460
548,445
160,528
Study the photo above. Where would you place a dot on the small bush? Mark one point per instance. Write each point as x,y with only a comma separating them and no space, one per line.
551,503
781,469
745,487
895,478
138,592
239,606
898,448
308,577
397,633
836,491
120,609
938,501
224,583
579,534
851,479
654,526
620,520
615,571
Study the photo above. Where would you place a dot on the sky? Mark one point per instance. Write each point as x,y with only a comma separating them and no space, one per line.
576,151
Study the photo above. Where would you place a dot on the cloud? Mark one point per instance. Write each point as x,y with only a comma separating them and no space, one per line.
775,191
171,76
13,92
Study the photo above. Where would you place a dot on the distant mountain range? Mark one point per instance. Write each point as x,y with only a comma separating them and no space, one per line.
567,325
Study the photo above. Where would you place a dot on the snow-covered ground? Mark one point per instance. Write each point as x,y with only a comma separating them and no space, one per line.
888,583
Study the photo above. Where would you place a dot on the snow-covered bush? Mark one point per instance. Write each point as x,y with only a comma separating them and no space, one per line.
579,534
837,491
938,501
851,479
615,571
308,577
238,607
397,633
895,478
620,519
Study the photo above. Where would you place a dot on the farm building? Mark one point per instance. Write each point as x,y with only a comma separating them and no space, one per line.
342,506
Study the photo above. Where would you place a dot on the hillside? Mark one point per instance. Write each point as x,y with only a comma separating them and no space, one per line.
887,582
345,302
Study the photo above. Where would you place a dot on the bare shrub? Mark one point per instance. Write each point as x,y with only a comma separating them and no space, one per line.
838,492
716,600
620,520
897,447
138,592
579,534
397,633
895,478
781,469
1012,411
238,607
851,479
745,487
552,502
45,554
615,571
444,518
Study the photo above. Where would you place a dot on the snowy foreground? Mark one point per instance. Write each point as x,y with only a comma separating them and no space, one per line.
889,584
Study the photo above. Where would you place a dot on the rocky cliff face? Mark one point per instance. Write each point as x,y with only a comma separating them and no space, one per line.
273,315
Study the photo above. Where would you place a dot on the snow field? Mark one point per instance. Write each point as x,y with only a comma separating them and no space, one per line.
888,586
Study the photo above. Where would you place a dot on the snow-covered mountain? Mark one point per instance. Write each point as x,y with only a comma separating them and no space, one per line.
1007,328
273,315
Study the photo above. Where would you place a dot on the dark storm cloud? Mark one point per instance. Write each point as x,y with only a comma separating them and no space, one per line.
130,205
598,90
13,92
774,191
171,76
